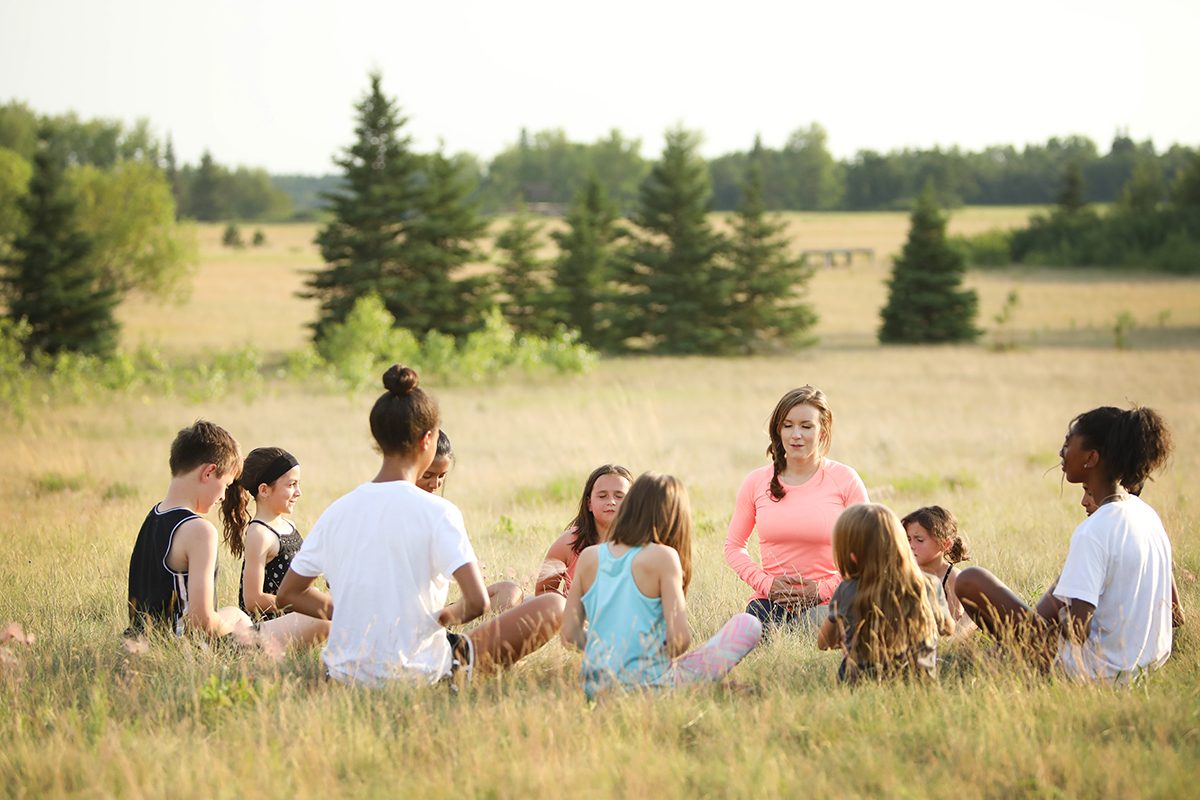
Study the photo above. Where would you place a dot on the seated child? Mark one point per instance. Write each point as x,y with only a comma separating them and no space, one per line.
173,567
627,609
603,493
937,545
389,550
502,594
886,614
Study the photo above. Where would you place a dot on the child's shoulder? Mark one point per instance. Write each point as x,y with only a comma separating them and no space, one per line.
659,556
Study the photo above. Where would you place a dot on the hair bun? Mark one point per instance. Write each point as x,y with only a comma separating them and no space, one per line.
400,381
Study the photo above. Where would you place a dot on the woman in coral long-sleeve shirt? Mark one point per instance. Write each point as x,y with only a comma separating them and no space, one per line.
793,503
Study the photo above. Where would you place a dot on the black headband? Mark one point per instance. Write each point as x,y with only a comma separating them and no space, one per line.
271,473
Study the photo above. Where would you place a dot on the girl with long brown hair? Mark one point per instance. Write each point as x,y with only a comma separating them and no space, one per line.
886,613
627,609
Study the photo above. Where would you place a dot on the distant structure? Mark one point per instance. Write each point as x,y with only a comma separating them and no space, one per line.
841,256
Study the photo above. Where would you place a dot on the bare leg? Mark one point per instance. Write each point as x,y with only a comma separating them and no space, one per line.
505,595
293,628
712,661
998,610
506,639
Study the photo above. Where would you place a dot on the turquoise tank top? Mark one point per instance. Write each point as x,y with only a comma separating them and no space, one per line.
627,634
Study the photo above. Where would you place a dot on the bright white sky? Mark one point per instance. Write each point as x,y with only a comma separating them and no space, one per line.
272,82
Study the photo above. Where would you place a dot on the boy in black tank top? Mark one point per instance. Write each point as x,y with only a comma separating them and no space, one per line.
173,567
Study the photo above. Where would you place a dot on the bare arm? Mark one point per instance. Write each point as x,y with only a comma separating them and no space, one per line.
674,606
200,550
830,635
1075,620
574,627
474,601
259,546
553,573
297,593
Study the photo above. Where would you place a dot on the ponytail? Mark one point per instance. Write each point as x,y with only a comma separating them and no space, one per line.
235,516
262,465
1132,444
943,527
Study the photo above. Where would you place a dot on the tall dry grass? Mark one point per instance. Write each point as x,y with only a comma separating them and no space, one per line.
972,429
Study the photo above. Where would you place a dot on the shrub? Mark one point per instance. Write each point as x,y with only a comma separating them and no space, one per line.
232,237
988,249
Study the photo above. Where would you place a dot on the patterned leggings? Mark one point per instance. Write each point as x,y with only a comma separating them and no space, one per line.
712,661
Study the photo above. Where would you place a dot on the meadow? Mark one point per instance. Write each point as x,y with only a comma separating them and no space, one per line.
974,428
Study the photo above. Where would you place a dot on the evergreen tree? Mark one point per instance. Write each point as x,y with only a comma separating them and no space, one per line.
1071,198
171,170
925,300
365,240
440,238
767,280
205,202
677,293
521,274
585,261
1144,189
402,225
48,279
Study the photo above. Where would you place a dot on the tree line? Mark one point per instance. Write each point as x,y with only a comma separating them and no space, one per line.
405,225
547,169
206,191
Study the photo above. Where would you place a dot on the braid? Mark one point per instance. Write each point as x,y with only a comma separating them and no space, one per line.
778,463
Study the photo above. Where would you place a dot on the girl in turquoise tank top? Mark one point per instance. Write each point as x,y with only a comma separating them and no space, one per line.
627,610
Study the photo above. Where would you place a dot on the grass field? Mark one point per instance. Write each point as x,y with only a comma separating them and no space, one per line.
972,429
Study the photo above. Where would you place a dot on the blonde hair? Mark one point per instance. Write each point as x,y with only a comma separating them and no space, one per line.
891,605
656,509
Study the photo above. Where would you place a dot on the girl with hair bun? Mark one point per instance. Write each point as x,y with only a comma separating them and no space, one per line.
268,541
389,550
937,546
793,503
1109,615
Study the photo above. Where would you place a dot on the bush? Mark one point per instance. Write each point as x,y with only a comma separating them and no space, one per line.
988,249
260,238
232,237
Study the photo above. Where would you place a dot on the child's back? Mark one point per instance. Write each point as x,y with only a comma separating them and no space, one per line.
158,595
627,633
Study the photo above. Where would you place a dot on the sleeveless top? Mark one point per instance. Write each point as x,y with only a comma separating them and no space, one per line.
157,594
627,634
276,568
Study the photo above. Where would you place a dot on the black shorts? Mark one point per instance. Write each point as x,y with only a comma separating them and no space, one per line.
462,655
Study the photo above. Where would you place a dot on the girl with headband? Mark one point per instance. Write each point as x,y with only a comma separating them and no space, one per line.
268,541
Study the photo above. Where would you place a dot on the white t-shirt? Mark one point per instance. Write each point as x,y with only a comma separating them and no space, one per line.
388,551
1120,562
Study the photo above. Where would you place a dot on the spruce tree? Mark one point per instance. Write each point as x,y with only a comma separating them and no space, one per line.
926,301
442,236
767,280
1071,198
521,276
171,170
678,294
205,202
585,262
365,239
402,225
48,278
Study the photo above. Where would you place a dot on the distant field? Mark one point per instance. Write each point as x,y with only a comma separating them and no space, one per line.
249,296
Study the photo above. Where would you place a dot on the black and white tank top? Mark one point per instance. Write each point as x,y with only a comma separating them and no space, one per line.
157,594
277,567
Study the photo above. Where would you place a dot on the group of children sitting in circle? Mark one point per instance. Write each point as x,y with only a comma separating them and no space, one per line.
614,585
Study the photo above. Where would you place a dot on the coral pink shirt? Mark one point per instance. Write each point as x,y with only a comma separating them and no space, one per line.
795,534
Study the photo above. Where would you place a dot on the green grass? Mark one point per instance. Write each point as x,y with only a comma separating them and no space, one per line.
970,428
